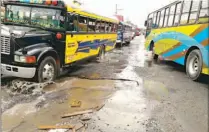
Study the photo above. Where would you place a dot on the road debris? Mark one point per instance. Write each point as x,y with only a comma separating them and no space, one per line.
78,113
86,117
75,103
99,107
101,78
56,127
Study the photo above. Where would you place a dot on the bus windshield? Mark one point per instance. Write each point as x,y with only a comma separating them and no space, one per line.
35,16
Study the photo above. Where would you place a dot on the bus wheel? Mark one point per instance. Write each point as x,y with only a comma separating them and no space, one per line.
120,44
47,70
194,64
127,43
101,55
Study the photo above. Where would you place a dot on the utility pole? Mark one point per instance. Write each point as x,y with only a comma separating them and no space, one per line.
116,9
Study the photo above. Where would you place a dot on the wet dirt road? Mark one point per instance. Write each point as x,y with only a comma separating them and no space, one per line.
137,98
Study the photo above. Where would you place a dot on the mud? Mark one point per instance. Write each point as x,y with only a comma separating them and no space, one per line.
138,97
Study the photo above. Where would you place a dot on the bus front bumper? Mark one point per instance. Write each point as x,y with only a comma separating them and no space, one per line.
16,71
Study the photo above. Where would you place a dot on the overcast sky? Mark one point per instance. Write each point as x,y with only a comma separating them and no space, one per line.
134,10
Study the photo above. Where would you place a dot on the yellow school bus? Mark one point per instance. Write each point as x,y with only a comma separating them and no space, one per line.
179,32
43,37
88,33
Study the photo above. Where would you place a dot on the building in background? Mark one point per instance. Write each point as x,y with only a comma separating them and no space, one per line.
120,18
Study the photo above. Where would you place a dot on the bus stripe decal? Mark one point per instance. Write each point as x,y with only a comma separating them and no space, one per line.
180,60
205,42
202,35
199,30
186,41
176,56
175,46
88,45
175,51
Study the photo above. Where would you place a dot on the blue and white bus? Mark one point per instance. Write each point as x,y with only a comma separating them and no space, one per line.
124,34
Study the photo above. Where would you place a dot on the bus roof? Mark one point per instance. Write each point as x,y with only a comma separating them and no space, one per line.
126,24
83,12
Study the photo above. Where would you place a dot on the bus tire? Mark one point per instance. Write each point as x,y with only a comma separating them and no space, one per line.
120,44
128,43
194,64
155,57
47,70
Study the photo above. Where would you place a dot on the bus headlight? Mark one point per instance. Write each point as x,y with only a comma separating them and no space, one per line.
25,59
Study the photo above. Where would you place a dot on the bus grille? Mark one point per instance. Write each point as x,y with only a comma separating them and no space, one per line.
5,45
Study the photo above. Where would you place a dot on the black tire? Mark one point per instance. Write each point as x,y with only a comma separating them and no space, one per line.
155,58
39,73
128,43
194,63
120,44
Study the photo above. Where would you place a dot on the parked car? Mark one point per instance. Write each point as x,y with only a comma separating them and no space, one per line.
138,33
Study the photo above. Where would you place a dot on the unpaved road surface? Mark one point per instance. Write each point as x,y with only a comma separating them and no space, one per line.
137,97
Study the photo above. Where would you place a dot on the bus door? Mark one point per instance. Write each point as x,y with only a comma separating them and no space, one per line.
71,45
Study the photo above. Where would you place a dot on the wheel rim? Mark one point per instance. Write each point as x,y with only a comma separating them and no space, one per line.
48,72
194,66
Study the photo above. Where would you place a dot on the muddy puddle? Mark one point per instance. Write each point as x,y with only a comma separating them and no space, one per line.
55,102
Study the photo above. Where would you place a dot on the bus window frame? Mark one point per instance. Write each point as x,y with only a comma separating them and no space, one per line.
88,19
156,27
79,23
166,24
151,15
179,16
98,21
199,14
173,15
162,18
187,23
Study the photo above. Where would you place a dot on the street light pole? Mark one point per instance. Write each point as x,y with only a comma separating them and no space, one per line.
116,9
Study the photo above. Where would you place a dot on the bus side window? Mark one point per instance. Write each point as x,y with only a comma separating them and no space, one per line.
102,27
161,18
97,26
204,15
72,22
177,14
91,25
110,27
185,13
107,27
194,12
166,17
82,24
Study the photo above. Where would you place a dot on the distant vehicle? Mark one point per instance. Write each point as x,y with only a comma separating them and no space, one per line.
2,12
133,35
179,32
138,33
124,34
41,38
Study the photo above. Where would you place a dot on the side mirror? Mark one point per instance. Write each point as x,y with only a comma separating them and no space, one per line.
145,23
